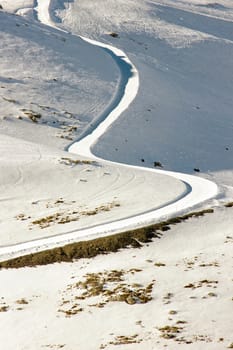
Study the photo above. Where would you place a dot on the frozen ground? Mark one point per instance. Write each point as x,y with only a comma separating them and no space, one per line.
50,83
189,270
184,102
176,291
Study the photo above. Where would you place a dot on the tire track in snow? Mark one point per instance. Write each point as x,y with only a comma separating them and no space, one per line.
198,189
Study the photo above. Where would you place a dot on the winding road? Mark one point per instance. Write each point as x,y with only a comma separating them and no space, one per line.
198,191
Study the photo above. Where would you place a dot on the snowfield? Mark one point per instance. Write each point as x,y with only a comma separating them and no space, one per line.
57,209
67,305
140,95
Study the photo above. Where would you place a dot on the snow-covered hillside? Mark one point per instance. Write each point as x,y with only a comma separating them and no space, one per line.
184,105
49,99
67,305
87,84
53,76
56,88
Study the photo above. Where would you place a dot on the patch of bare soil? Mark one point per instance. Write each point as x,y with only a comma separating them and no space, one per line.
89,249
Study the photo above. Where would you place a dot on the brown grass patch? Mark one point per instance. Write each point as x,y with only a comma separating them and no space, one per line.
200,284
89,249
69,216
125,339
228,205
4,308
71,161
22,301
101,288
170,332
33,116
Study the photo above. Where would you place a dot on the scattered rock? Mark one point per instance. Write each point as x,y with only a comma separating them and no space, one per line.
114,35
157,164
130,300
22,301
159,264
4,308
172,312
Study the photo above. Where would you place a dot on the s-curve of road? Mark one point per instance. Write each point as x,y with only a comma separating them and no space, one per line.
197,191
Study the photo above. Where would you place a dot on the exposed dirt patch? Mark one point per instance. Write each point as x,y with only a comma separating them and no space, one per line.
101,288
89,249
202,283
71,161
69,216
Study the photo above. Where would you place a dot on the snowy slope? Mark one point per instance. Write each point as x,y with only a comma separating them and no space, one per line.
44,191
44,310
182,115
56,76
175,292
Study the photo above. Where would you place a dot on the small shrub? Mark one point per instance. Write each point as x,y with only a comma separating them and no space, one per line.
172,312
4,308
159,264
157,164
33,116
70,161
22,301
229,205
170,332
114,35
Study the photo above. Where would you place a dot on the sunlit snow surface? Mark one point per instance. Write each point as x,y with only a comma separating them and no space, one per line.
181,118
51,84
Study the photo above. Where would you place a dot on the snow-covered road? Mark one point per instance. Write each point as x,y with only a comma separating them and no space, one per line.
198,189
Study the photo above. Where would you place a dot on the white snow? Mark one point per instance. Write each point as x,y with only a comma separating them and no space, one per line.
161,91
192,252
147,208
14,6
184,102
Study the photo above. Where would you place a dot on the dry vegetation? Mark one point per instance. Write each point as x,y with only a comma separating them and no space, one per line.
62,215
202,283
88,249
102,288
167,298
191,263
70,161
4,308
229,239
18,305
66,123
170,332
177,333
22,301
53,346
159,264
123,340
33,116
69,216
229,205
